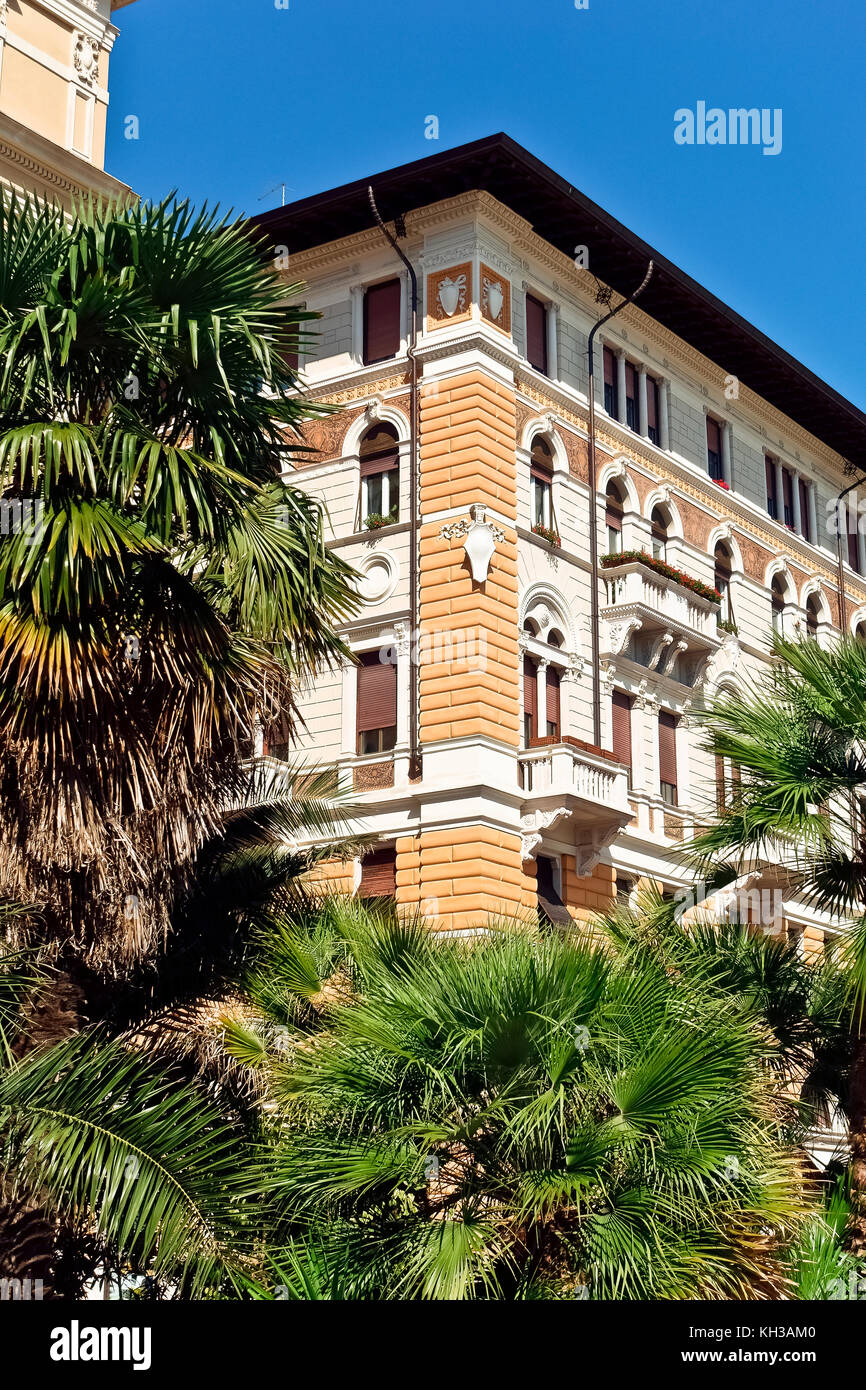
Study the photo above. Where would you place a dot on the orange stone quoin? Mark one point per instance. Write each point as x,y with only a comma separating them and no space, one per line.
467,456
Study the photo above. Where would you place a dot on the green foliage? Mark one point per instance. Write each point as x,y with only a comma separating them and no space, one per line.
174,585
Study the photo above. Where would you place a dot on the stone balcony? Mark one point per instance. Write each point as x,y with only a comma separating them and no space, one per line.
657,622
573,783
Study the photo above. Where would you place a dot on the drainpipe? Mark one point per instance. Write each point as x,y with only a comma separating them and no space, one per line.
840,562
593,513
414,746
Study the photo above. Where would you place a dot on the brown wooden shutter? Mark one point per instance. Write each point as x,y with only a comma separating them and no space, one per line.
853,548
382,321
530,693
667,747
610,368
805,526
714,436
621,726
379,873
541,460
536,334
652,404
613,512
631,383
552,697
383,463
377,693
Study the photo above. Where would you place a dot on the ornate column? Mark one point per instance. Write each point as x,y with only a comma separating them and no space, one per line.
795,496
552,341
357,293
664,424
726,452
541,696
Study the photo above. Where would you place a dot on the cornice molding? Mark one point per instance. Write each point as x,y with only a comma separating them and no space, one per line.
529,250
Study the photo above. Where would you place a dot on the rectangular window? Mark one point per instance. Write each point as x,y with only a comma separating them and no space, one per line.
853,546
788,496
536,334
380,487
714,449
668,756
376,715
805,520
553,708
772,495
611,401
379,873
382,321
530,701
613,522
542,498
652,410
620,718
632,414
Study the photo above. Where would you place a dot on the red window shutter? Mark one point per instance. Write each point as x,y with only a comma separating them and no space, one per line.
609,367
805,528
536,334
552,694
530,693
621,726
714,436
377,694
652,404
379,873
630,381
667,747
382,321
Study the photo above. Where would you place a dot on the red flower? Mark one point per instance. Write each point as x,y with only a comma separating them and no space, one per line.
720,482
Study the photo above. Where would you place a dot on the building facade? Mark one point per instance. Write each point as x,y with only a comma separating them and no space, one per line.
54,57
456,474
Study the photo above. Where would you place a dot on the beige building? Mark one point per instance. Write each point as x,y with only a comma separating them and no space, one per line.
54,57
503,765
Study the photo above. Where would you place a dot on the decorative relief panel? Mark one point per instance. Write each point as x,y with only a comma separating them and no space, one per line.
495,299
449,295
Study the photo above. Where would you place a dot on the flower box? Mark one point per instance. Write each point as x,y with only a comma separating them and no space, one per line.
642,557
548,534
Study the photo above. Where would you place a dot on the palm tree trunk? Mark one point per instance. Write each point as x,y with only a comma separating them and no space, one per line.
857,1134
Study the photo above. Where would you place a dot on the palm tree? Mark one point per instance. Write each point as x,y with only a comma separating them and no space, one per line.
526,1117
162,588
396,1116
799,741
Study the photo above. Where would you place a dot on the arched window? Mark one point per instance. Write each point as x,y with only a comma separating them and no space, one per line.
860,632
813,615
779,599
722,579
541,470
380,477
659,523
613,516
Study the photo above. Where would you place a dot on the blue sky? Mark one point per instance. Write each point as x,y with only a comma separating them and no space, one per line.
235,96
